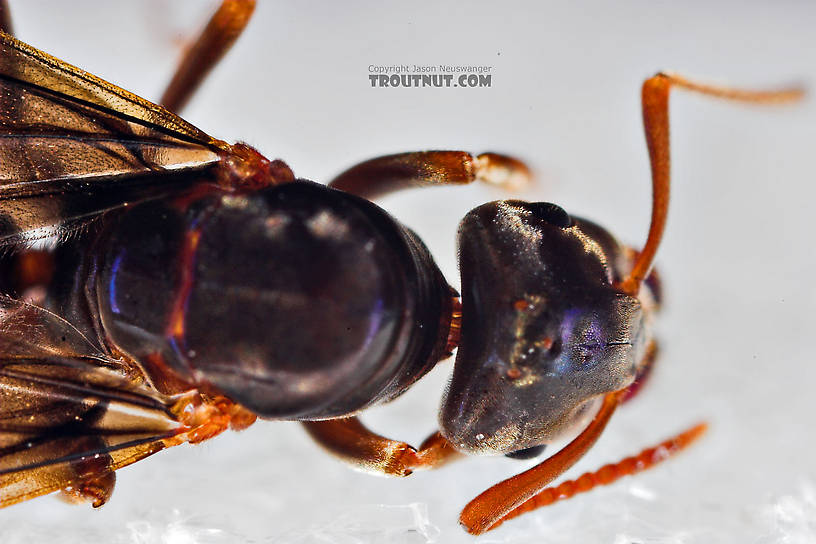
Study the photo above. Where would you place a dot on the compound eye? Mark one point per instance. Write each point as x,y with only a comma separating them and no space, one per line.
526,453
551,213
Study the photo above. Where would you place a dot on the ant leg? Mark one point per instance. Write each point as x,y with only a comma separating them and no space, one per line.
608,473
220,33
655,103
91,479
376,177
96,490
26,274
5,18
352,442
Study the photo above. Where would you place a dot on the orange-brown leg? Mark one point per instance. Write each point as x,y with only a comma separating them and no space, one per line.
655,100
25,274
33,268
97,490
5,18
216,39
92,479
352,442
389,173
609,473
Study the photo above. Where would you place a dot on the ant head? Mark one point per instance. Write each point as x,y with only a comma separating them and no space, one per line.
545,333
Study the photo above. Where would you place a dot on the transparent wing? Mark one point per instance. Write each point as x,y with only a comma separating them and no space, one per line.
68,413
49,463
73,146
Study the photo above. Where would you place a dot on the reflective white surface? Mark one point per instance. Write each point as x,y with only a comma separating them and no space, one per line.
737,261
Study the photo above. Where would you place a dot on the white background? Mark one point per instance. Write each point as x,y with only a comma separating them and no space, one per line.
738,259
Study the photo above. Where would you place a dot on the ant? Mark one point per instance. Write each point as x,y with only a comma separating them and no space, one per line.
192,286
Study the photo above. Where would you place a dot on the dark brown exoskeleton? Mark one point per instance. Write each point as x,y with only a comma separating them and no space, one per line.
183,286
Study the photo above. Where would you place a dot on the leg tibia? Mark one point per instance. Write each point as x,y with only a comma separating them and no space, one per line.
391,173
352,442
